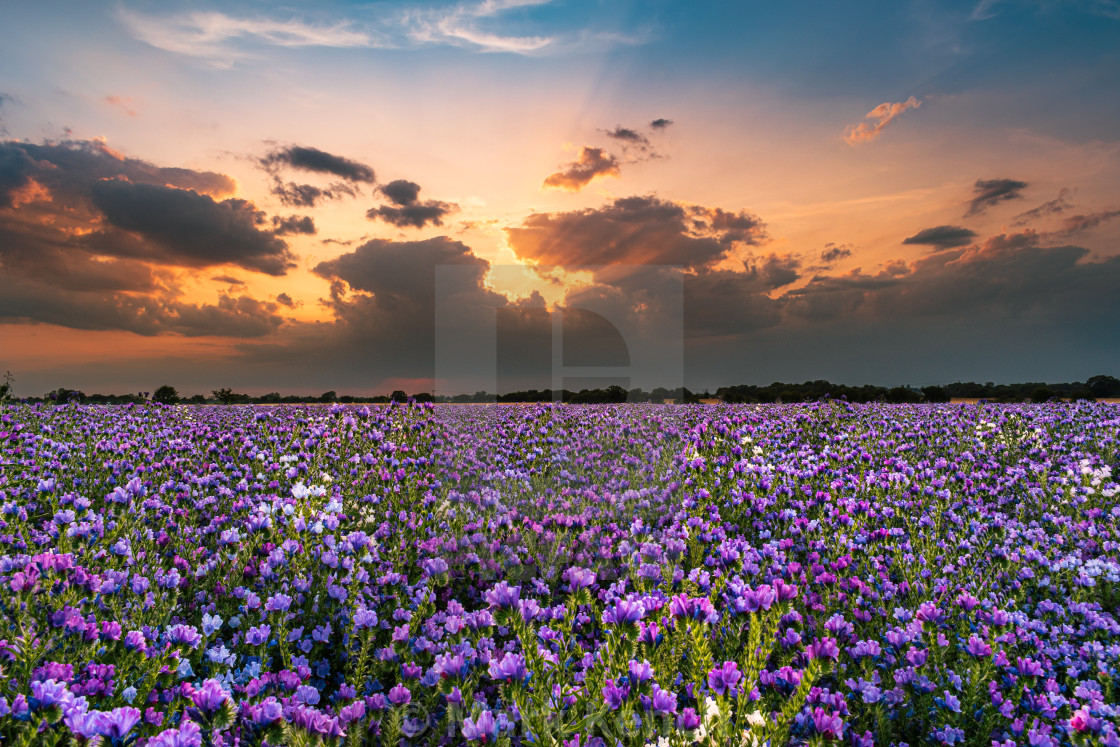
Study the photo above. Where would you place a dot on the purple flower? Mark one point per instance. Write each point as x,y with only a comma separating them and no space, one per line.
400,695
663,701
278,603
578,578
189,734
49,693
825,648
210,697
117,723
640,672
307,695
258,636
510,668
978,647
723,678
827,724
624,612
614,695
266,712
687,720
483,729
365,618
503,595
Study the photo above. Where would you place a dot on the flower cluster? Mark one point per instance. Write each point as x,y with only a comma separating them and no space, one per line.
566,575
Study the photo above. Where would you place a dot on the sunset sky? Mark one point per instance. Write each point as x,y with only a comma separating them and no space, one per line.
259,195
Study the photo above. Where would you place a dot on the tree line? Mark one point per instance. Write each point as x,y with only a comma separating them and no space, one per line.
1096,387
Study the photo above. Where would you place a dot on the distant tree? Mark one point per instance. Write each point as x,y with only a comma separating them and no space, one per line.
197,399
6,387
900,394
1104,386
327,397
399,395
271,398
935,394
166,395
225,396
1042,394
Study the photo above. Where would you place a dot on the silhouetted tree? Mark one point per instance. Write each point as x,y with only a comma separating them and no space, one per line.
166,395
225,396
1104,386
399,395
935,394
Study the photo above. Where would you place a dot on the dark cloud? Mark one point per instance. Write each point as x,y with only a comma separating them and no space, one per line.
26,300
182,227
1077,224
308,195
401,191
942,237
303,158
779,270
285,300
293,224
833,253
660,123
989,192
68,168
411,212
16,170
627,135
416,215
634,231
592,162
228,279
1058,205
143,216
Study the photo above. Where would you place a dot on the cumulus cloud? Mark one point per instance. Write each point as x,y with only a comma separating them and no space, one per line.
877,119
989,192
92,239
942,237
660,123
409,211
833,253
308,195
634,231
137,211
293,224
592,163
179,226
401,191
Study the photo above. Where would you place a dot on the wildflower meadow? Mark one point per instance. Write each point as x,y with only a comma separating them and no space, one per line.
558,575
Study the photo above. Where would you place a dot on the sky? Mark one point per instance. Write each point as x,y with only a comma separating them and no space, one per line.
511,194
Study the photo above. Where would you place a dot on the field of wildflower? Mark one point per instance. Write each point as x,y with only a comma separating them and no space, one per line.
560,575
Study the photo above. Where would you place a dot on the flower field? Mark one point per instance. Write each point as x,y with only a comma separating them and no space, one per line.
560,575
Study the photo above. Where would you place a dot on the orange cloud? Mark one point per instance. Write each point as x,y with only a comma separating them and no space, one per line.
879,117
592,162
